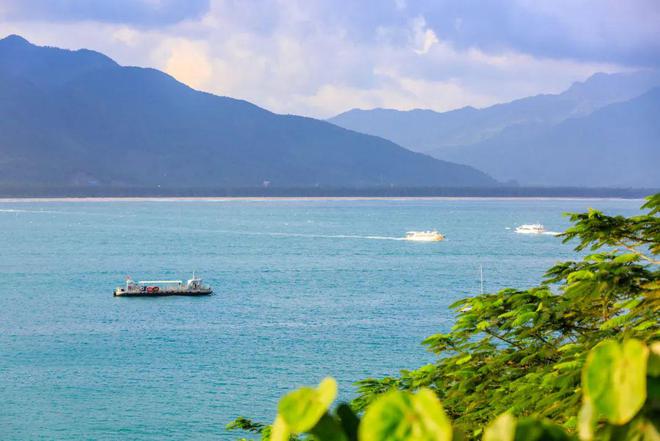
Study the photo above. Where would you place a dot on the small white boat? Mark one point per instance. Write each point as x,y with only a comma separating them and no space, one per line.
530,229
424,236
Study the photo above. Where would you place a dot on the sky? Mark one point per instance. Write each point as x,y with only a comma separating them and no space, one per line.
322,57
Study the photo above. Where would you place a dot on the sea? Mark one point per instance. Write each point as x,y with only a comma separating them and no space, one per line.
304,288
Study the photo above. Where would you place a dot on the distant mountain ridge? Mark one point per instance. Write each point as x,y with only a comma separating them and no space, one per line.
601,132
429,131
79,118
615,146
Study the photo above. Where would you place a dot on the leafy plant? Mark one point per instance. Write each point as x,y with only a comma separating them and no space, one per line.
543,363
616,406
521,351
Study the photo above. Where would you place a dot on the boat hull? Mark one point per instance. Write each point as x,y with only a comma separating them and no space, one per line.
423,239
424,236
163,293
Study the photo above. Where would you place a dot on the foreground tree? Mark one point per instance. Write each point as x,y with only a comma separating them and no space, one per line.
522,354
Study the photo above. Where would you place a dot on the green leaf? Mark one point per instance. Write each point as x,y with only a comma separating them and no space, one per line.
645,325
614,379
464,359
328,429
246,424
570,347
524,318
503,428
349,421
586,421
567,365
484,324
303,408
529,429
402,416
614,322
580,275
280,430
653,369
626,258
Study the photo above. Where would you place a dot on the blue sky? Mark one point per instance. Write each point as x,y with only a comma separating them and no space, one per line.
319,58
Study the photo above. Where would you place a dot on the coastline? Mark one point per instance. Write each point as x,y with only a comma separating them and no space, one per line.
143,194
303,198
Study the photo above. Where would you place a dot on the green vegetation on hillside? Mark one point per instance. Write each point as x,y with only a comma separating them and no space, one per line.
576,357
78,119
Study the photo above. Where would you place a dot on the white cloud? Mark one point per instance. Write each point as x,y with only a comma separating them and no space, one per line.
425,38
295,56
188,62
400,4
395,91
126,36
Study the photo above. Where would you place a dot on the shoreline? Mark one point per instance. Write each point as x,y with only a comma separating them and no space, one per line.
304,198
100,194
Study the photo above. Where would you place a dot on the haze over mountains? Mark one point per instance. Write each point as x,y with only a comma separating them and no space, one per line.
616,146
575,138
79,118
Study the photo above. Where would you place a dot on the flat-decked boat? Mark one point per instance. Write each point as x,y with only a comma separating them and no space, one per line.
159,288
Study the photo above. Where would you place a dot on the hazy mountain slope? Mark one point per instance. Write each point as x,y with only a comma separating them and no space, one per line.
616,146
76,117
426,130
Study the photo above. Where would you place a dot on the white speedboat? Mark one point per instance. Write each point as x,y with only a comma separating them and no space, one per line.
530,229
424,236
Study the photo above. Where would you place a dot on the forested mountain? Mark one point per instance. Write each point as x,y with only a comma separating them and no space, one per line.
79,118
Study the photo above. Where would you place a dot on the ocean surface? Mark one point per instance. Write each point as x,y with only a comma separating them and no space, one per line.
305,289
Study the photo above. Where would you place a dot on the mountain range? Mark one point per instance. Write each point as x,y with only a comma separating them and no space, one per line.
615,146
79,118
575,138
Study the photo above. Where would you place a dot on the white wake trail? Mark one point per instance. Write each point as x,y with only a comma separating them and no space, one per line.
70,213
309,235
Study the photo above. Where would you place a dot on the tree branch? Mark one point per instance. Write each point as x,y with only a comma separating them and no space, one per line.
634,250
505,340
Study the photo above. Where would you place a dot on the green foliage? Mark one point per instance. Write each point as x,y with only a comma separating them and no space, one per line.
568,357
404,416
503,428
529,429
594,230
614,388
619,399
522,350
614,379
303,408
246,424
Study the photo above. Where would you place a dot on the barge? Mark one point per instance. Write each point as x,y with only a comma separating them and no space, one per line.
160,288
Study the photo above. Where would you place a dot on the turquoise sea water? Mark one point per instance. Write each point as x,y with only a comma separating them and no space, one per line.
305,289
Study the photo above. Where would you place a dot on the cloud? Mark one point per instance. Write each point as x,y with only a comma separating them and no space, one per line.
188,62
613,31
320,58
425,38
394,91
126,36
137,12
400,4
